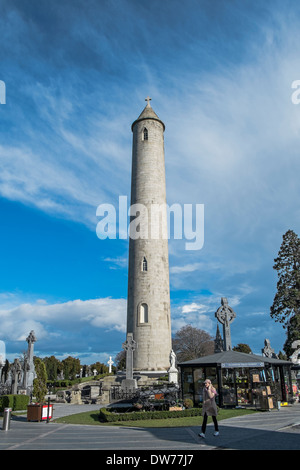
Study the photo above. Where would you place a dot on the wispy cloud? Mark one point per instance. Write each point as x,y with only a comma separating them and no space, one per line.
119,262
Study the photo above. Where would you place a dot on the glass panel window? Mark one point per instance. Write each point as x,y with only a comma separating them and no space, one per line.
199,384
228,387
188,383
144,313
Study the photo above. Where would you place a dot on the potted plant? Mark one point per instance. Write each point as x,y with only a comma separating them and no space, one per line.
34,410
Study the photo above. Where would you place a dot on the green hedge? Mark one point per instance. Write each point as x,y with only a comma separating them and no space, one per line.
15,402
109,417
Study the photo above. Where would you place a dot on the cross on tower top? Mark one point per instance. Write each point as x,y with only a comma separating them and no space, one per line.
148,100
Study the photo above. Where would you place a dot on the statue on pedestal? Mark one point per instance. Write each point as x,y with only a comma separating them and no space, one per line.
173,372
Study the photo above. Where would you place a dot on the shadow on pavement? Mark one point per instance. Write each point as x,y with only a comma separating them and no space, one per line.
237,438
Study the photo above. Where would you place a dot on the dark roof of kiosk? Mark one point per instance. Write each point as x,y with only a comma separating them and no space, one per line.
232,357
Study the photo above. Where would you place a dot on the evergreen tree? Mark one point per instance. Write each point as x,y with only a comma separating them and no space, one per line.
53,367
243,348
100,367
293,334
71,367
40,382
120,360
286,304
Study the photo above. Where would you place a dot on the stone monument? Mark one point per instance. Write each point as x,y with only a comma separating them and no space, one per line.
173,371
148,303
29,370
267,351
110,363
225,316
130,346
295,357
16,371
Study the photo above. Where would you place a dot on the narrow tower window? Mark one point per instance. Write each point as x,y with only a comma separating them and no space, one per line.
145,134
144,265
143,313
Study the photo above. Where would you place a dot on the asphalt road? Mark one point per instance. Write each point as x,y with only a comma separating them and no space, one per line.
274,430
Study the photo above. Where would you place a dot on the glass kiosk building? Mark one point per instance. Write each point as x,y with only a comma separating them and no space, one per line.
241,379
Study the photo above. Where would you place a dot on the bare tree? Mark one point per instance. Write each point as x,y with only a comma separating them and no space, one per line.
190,343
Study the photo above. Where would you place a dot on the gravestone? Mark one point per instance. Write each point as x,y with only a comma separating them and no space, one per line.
29,370
225,315
130,346
110,363
267,351
16,370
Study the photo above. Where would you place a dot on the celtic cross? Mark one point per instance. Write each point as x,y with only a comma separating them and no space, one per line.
225,315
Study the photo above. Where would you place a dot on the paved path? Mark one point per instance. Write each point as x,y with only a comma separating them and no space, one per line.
278,430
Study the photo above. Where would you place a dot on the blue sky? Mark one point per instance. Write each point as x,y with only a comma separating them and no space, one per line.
77,74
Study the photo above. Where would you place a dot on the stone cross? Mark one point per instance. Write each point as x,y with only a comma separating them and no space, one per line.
110,363
148,100
129,346
29,370
31,339
225,315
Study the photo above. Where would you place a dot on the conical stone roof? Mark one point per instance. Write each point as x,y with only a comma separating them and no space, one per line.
147,113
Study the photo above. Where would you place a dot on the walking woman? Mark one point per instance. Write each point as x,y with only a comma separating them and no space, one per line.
209,407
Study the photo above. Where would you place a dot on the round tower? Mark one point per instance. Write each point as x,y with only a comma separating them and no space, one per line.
148,306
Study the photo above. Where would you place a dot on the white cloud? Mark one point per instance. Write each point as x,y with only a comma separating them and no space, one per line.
49,320
193,307
185,269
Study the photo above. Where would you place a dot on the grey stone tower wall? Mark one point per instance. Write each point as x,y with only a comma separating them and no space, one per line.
149,287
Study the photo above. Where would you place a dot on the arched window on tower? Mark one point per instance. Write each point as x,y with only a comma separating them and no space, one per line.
144,265
145,134
143,313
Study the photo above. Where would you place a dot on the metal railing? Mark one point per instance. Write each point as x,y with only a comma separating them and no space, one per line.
168,394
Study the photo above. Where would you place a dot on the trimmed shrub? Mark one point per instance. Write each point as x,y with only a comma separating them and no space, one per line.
6,401
15,402
20,402
109,417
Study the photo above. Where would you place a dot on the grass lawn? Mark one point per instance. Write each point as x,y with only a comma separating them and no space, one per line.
92,417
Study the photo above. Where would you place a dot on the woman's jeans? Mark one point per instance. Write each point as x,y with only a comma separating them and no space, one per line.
205,422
